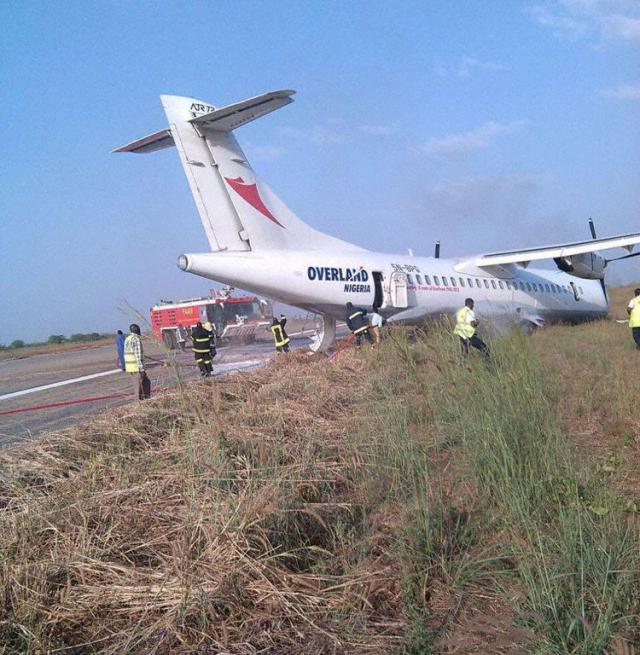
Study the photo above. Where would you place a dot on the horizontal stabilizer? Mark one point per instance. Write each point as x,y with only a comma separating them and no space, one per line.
151,143
627,241
228,118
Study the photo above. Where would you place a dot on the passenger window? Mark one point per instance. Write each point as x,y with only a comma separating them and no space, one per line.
470,282
580,288
528,287
418,279
535,286
501,285
546,286
478,283
409,280
445,281
493,284
453,281
565,289
486,284
553,288
436,279
461,282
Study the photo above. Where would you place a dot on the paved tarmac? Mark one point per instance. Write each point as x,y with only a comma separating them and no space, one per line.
22,375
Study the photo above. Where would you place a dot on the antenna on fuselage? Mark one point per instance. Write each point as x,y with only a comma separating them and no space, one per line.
437,251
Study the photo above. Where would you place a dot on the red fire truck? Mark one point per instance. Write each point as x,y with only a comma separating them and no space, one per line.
233,318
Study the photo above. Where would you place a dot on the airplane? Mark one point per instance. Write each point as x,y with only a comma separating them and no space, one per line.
259,244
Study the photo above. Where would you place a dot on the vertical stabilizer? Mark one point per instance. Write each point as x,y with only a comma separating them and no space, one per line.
219,218
238,211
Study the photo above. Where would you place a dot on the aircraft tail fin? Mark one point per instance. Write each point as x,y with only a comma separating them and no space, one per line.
238,211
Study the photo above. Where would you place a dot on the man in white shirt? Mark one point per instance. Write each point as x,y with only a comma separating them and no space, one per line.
375,321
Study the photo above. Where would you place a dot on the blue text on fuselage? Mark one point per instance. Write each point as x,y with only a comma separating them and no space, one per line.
333,274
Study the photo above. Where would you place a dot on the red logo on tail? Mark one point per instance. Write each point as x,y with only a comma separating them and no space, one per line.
249,192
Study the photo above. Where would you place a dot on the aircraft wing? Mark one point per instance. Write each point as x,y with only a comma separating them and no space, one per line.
151,143
228,118
523,257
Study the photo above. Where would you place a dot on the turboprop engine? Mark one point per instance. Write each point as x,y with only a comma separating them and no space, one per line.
588,265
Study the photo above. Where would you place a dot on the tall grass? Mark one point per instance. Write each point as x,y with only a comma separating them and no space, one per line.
576,550
398,500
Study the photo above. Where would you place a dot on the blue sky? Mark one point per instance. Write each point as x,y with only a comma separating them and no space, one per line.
485,124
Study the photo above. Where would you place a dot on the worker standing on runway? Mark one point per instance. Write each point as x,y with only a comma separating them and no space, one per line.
134,363
357,322
120,349
465,329
280,336
633,309
202,348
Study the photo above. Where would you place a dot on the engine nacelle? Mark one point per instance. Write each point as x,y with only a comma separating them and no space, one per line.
588,265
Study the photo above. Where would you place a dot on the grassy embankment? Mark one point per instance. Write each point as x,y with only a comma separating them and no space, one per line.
394,501
31,350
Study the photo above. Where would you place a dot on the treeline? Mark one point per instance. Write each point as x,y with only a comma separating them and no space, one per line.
55,339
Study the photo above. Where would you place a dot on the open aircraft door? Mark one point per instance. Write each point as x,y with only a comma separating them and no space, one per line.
398,290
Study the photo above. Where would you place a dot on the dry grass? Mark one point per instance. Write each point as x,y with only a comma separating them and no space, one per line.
305,508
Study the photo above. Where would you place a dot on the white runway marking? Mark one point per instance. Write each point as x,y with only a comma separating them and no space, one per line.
24,392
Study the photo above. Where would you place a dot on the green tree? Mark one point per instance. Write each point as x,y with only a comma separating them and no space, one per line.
17,343
57,338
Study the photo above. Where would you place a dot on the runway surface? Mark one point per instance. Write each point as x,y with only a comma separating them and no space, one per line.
60,377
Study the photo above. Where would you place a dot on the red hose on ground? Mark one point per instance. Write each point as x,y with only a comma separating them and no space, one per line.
77,401
65,402
345,342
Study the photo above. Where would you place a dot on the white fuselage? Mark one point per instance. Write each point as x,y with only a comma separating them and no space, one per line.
260,245
324,283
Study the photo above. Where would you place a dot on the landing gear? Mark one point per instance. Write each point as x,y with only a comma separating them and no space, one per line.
325,333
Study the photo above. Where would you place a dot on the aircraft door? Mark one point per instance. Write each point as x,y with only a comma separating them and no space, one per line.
378,298
398,289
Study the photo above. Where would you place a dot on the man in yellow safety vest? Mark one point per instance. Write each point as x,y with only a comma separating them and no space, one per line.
633,309
465,329
280,336
134,363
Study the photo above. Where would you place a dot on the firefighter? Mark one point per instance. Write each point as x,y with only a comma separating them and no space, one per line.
211,328
134,363
201,338
280,336
357,322
465,329
633,309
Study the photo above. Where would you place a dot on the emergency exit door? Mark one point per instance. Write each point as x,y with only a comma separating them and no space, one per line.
398,290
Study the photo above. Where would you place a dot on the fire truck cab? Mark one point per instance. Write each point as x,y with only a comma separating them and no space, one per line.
232,318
